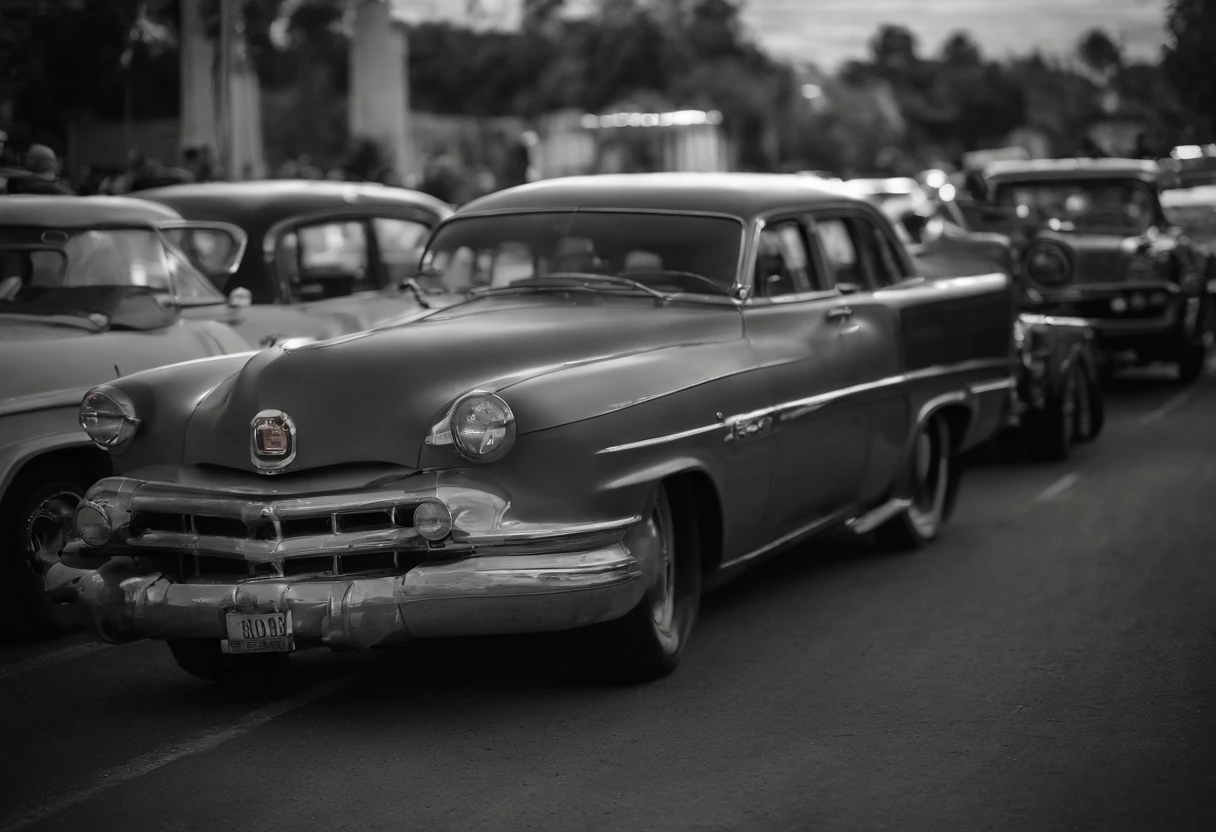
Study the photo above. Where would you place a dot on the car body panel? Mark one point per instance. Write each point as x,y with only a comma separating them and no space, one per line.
780,418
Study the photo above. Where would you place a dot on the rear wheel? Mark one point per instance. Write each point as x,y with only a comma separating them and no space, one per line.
204,659
1090,410
648,642
1050,432
931,465
1198,346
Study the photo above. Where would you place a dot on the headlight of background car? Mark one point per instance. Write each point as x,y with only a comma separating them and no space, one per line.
482,426
108,417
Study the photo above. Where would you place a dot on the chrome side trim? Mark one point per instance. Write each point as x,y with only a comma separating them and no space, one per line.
961,367
992,386
659,440
797,408
874,518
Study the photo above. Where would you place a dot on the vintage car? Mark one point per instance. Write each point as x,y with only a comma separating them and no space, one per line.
342,252
1088,239
88,293
633,388
1193,209
1057,402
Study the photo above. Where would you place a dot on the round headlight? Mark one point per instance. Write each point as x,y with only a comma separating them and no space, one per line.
1048,266
108,417
483,427
92,524
432,520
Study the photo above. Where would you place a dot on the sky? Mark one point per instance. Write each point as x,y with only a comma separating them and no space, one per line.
829,32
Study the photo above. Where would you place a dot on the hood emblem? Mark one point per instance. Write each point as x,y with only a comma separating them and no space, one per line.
272,441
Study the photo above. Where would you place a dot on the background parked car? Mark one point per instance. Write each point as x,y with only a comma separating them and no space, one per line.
335,250
85,285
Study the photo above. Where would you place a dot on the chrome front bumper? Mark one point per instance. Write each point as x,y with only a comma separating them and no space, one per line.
477,595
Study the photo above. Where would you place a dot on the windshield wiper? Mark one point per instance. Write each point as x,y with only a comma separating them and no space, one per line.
89,321
563,280
700,278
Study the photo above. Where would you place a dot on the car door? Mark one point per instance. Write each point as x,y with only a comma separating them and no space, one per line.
861,260
792,323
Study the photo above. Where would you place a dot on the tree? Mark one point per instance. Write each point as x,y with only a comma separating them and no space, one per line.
960,50
1189,60
1100,53
894,48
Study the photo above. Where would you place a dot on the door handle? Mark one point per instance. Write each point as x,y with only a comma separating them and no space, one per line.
840,313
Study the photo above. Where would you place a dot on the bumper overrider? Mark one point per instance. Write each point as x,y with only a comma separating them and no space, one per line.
354,569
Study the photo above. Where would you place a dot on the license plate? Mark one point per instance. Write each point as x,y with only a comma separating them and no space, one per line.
268,632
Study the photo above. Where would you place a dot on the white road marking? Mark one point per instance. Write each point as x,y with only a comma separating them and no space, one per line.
1166,409
54,657
148,763
1058,487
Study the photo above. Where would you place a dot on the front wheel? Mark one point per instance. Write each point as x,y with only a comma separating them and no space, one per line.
204,659
648,641
1194,355
931,465
32,514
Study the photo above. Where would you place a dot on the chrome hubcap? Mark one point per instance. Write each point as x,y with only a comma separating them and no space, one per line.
44,530
663,598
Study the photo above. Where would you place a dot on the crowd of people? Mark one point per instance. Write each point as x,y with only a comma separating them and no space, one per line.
37,169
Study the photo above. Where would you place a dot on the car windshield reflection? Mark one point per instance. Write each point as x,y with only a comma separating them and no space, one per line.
124,274
670,253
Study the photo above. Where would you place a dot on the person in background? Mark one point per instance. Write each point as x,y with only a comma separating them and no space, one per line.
43,175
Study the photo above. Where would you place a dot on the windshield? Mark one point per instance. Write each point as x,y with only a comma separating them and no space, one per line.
1116,204
680,253
133,258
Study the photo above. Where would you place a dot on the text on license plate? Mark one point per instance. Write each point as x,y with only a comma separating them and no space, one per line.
259,633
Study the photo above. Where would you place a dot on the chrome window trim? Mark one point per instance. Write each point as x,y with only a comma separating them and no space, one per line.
797,408
573,209
241,235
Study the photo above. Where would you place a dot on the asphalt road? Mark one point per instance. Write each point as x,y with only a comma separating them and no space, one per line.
1049,664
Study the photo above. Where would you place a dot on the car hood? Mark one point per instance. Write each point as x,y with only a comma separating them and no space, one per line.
374,396
39,358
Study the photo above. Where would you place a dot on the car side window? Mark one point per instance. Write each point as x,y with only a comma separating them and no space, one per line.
400,244
326,260
840,250
882,261
782,261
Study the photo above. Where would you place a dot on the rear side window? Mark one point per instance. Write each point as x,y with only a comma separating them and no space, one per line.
782,261
840,250
326,260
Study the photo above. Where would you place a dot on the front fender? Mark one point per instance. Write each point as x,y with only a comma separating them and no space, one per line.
25,436
164,400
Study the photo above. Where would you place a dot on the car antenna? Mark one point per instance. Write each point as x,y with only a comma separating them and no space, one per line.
412,284
117,372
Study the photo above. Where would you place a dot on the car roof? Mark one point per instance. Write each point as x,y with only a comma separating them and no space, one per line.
262,203
742,195
81,211
1047,169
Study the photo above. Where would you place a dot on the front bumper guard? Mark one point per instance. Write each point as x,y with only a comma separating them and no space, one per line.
479,595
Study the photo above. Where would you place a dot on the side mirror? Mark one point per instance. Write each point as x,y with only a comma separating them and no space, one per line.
240,298
413,274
